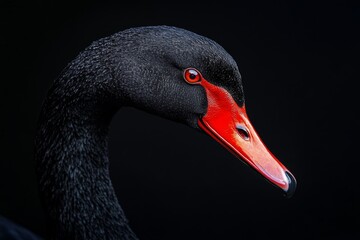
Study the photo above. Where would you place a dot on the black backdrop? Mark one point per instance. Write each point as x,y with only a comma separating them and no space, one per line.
299,64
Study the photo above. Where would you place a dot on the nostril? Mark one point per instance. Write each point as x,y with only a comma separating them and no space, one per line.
243,132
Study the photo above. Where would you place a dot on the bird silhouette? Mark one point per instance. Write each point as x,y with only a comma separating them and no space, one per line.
167,71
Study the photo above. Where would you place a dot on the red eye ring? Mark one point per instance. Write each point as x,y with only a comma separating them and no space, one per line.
191,75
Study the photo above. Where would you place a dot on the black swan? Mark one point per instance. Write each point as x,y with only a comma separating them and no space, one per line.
163,70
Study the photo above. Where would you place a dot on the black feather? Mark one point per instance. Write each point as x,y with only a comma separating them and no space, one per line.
139,67
12,231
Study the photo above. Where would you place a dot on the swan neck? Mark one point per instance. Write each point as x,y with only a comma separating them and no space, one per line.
73,170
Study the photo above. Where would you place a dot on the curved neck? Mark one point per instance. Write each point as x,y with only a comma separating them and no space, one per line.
73,170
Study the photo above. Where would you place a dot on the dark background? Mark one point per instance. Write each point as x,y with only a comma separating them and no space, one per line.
300,66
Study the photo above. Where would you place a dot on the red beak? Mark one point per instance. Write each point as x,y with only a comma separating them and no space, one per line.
229,124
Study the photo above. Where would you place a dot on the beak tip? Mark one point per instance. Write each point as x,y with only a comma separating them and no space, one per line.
291,185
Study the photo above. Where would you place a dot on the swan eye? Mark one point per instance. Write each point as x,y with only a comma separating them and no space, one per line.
191,75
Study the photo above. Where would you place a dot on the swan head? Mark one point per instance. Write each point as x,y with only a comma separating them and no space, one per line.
185,77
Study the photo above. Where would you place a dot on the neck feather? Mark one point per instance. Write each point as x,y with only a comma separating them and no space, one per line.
73,170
